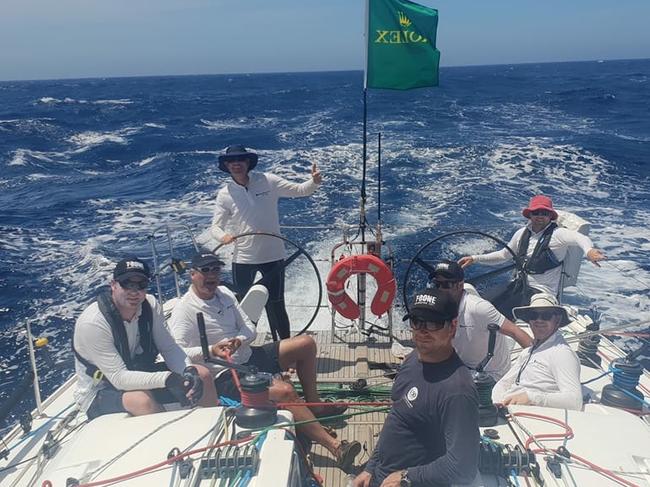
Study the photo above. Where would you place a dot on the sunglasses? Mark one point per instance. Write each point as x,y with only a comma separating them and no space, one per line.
427,325
206,269
540,213
134,285
540,315
446,284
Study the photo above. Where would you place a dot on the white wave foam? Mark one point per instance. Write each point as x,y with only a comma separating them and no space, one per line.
146,161
120,101
86,140
21,157
48,100
225,124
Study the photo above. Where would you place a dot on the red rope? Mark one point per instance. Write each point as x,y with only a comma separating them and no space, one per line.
330,404
235,376
568,434
169,461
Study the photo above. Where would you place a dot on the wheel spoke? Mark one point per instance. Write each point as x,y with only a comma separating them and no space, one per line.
487,275
425,265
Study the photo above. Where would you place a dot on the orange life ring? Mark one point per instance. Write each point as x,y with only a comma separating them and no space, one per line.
358,264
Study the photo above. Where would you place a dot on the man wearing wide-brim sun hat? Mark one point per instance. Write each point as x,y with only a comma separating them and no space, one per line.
249,203
543,246
547,373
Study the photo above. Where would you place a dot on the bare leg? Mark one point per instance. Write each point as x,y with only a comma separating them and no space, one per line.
284,392
209,397
139,403
301,352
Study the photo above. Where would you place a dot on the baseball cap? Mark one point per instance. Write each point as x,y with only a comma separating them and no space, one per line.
449,270
432,305
131,267
205,259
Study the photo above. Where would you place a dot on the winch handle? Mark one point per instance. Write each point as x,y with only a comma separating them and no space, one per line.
493,328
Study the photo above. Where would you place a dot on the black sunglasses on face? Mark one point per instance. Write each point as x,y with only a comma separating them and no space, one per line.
540,213
427,325
541,315
134,285
208,268
446,284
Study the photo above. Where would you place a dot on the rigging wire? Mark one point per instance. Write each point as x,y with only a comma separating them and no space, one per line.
627,273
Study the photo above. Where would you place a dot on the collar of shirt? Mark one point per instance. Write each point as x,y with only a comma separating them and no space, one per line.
529,226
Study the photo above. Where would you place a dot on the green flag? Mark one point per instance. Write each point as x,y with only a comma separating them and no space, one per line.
402,50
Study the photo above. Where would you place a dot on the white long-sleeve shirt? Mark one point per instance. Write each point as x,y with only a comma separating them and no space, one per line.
93,340
549,374
223,320
254,208
560,242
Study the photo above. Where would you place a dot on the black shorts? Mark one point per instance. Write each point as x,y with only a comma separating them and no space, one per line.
109,400
266,358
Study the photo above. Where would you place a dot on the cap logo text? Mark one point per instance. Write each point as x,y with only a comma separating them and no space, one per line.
134,265
425,299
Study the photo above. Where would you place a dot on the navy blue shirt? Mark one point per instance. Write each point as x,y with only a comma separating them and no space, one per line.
432,427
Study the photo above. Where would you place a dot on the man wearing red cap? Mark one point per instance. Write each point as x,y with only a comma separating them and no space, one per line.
542,245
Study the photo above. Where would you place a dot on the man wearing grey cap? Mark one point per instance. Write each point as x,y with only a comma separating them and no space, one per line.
431,435
230,334
116,341
474,316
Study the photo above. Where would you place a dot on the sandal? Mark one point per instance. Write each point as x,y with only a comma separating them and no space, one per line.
346,454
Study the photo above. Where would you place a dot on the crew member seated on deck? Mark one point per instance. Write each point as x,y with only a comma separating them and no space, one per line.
543,246
230,333
474,316
116,341
547,374
431,434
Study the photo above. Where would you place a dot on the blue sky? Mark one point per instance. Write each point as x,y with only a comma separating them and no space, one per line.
42,39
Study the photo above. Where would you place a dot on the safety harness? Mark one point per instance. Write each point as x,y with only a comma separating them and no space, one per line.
542,258
143,361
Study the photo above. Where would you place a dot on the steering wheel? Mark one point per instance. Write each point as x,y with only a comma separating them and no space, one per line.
299,251
446,242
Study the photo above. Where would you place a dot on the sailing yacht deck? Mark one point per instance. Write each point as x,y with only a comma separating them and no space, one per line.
343,359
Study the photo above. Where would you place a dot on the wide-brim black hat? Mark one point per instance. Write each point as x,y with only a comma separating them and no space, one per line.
237,152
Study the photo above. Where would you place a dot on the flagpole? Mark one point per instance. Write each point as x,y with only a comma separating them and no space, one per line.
361,278
362,209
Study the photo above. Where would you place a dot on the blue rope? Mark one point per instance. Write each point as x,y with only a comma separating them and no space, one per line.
627,381
596,378
228,402
513,474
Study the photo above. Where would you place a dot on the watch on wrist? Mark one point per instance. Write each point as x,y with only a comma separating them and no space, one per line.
404,479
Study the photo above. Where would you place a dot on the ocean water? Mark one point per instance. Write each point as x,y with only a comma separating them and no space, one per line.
89,168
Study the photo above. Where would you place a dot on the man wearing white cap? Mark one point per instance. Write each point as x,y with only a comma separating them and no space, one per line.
548,373
542,245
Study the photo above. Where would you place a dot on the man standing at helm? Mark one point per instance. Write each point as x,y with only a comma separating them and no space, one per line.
249,203
543,246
